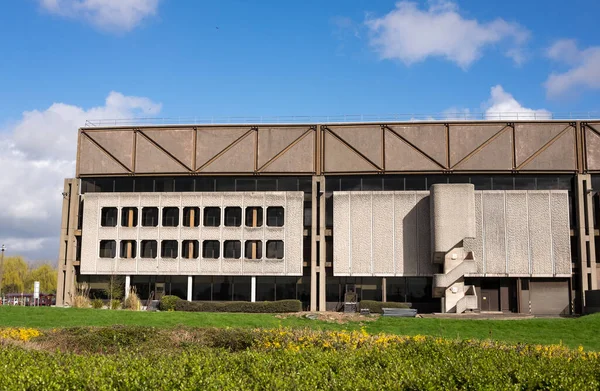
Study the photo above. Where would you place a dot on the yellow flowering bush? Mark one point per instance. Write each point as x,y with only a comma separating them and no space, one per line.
18,334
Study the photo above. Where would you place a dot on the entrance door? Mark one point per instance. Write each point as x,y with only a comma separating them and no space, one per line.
159,291
490,300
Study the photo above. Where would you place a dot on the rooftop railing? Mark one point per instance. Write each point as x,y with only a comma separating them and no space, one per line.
346,118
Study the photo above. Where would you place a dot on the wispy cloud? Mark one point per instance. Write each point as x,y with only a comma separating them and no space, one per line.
583,68
412,34
109,15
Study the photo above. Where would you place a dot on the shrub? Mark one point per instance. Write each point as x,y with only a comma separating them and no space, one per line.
167,303
132,302
239,306
376,307
81,299
97,303
115,304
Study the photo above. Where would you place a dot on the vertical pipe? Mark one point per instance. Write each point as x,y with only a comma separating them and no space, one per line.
189,288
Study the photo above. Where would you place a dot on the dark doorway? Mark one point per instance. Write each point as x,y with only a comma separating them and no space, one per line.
490,300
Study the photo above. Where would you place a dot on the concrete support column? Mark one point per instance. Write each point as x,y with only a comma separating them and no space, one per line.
253,289
313,247
189,288
127,285
322,248
68,244
384,289
585,232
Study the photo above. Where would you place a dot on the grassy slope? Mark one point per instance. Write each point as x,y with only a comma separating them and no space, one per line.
571,332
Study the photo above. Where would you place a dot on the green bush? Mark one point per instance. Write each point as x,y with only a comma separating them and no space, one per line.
239,306
376,307
167,303
97,303
115,304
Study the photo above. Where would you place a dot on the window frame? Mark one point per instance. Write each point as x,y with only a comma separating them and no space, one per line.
167,244
275,210
153,250
208,215
276,242
104,216
185,249
259,216
234,212
102,250
236,250
123,249
167,213
217,247
248,248
146,210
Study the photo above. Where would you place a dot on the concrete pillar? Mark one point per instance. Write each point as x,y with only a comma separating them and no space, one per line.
585,232
68,244
189,288
322,248
127,285
384,289
313,247
253,289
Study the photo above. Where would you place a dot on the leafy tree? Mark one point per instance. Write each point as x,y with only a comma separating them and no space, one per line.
116,287
46,275
15,275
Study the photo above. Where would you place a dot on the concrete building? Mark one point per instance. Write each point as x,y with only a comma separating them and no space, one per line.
451,217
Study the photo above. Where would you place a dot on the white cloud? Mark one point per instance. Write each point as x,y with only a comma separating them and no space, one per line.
584,71
109,15
36,154
503,106
411,34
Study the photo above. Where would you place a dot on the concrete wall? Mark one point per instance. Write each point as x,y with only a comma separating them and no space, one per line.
291,234
517,233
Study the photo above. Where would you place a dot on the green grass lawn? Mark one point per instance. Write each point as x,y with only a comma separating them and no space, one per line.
571,332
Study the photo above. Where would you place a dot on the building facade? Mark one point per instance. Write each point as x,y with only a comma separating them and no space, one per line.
451,217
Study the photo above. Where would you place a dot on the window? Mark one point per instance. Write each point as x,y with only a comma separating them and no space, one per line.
189,249
128,249
129,217
253,249
254,216
191,216
149,217
148,248
168,249
170,217
233,216
212,216
275,249
232,249
275,216
108,249
210,249
109,217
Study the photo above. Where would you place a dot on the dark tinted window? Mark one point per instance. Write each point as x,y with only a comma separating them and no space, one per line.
149,217
129,217
168,249
212,216
191,216
254,216
108,249
275,216
275,249
148,248
170,217
210,249
233,216
189,249
128,249
232,249
109,217
253,249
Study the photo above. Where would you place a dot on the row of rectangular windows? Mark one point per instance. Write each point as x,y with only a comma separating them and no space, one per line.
191,216
232,249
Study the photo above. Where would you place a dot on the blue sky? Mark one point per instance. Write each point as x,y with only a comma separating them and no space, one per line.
65,61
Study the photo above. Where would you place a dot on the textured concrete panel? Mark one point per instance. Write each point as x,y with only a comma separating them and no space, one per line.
561,244
339,158
592,142
517,232
366,139
117,143
383,234
453,215
531,137
464,139
239,158
92,160
149,159
430,139
400,156
291,234
540,232
406,235
494,232
178,142
212,140
425,263
271,141
475,245
342,234
549,297
558,156
299,158
497,155
361,220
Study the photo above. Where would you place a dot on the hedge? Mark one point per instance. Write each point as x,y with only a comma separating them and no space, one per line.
167,303
289,360
237,306
376,307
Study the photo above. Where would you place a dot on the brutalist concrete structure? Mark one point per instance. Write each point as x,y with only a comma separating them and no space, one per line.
452,217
